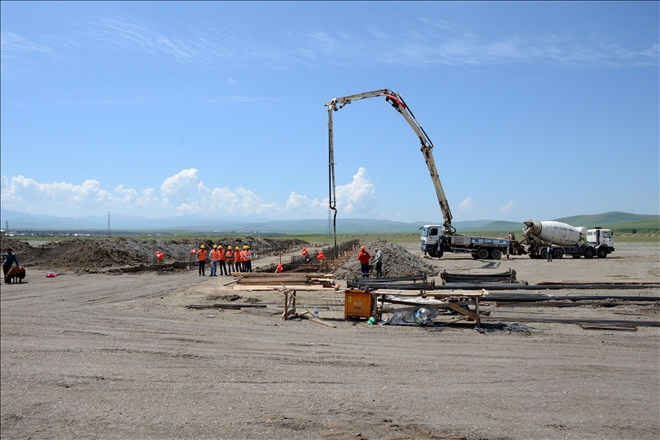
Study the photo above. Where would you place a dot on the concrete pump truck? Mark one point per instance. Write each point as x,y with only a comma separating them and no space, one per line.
435,239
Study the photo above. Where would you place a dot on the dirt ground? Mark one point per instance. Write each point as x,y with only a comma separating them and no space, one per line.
119,356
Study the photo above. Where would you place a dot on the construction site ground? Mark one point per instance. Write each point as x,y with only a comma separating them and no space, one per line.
121,356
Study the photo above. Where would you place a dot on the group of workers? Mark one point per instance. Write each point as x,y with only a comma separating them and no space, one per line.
240,260
232,260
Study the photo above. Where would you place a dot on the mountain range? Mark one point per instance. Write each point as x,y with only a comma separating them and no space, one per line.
23,221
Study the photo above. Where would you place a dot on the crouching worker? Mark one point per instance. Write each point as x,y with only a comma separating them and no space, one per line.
8,260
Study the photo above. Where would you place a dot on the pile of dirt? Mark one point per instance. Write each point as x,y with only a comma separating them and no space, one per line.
93,255
397,262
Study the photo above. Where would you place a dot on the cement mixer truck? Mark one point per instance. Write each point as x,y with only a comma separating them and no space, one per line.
566,240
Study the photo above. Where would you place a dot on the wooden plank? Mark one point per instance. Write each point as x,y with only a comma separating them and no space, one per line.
462,311
317,320
259,288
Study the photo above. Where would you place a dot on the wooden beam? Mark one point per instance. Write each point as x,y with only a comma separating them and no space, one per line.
317,320
455,307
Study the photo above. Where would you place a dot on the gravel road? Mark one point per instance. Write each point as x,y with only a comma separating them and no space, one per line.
122,357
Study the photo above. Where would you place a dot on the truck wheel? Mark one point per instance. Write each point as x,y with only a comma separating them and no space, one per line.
544,253
434,252
558,253
482,254
589,253
602,252
495,254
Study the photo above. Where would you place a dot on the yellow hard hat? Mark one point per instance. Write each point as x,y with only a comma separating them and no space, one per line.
215,246
245,247
219,246
202,247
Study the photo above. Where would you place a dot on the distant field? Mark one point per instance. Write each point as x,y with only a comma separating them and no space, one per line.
636,238
625,235
647,226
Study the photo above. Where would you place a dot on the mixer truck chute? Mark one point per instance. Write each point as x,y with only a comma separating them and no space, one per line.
566,240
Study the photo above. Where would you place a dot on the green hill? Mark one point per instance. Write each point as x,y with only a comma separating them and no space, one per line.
609,219
494,226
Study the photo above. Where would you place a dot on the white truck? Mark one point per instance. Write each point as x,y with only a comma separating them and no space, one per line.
566,240
436,239
435,243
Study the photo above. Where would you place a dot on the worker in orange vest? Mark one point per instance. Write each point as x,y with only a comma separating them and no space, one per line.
364,258
230,259
201,258
214,260
247,256
239,260
222,258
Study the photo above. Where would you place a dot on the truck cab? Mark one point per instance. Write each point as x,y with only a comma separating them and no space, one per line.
429,239
602,240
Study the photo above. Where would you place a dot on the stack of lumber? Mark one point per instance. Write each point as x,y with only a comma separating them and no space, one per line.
269,281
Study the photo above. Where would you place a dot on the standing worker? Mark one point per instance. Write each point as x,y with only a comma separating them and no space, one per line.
222,258
247,256
549,252
364,258
8,259
379,263
214,260
238,257
230,260
201,258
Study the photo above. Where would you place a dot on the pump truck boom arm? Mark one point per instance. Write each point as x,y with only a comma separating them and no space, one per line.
427,149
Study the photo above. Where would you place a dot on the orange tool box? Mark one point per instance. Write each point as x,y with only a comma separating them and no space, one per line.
357,304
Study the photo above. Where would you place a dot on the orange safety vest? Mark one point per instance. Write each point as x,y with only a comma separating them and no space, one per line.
246,255
201,255
222,255
214,255
230,255
239,256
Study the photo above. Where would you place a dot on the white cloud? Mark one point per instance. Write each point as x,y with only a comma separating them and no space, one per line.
15,46
176,189
428,42
467,204
302,204
357,197
182,193
507,208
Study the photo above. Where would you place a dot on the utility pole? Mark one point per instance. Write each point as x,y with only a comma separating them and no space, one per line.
108,224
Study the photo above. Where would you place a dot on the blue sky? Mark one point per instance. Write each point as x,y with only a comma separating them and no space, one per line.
536,109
